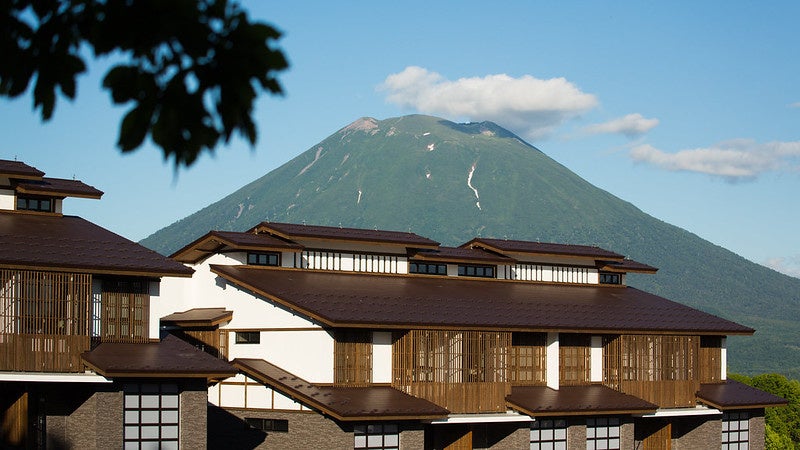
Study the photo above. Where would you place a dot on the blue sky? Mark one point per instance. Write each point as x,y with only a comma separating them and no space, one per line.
688,110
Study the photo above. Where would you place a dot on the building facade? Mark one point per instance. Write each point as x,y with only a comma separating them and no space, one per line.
297,336
82,361
353,338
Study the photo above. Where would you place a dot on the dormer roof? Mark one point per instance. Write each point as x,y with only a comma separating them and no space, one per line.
459,254
19,170
219,241
541,248
58,187
293,231
626,265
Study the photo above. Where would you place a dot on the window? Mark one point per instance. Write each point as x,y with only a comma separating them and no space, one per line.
274,425
427,268
476,271
377,436
609,278
248,337
264,259
35,204
549,434
574,358
150,418
125,310
528,362
735,431
602,433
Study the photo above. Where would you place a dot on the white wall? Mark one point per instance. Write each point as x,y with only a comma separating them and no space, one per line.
596,355
723,359
382,357
6,198
552,360
306,353
243,392
287,340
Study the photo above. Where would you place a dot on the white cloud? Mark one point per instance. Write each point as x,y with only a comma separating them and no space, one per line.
794,105
530,106
632,125
788,266
736,160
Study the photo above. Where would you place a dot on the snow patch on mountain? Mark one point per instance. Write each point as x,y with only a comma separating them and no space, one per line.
316,158
469,184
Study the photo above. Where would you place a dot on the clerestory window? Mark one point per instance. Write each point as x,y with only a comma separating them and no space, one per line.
41,204
476,271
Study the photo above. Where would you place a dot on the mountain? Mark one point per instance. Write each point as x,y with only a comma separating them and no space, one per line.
452,182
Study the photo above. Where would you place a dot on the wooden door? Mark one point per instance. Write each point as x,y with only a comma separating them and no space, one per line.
659,439
15,424
462,443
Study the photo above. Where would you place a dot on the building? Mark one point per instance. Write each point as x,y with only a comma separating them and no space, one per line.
82,361
352,338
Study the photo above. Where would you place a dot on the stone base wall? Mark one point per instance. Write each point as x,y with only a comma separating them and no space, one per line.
90,415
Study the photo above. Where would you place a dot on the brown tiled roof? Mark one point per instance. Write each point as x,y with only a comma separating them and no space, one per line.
575,400
214,241
198,317
458,254
342,403
171,357
626,265
543,248
59,188
392,301
733,394
292,231
52,242
17,169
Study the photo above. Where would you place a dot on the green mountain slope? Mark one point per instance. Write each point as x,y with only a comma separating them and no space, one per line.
452,182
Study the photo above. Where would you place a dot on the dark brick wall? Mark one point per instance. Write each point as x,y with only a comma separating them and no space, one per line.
757,430
89,416
689,433
307,430
193,414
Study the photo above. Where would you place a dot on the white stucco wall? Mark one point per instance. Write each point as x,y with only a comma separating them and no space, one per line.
596,358
307,353
6,198
287,340
381,357
243,392
552,372
723,359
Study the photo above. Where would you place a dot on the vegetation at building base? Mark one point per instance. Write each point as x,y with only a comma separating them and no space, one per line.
782,423
412,173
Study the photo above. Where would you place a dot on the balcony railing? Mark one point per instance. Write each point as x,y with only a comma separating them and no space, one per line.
459,398
665,394
42,352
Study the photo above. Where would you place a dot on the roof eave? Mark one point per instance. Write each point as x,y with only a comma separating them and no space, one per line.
101,270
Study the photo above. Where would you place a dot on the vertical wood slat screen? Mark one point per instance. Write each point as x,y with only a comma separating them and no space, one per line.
660,369
352,357
574,358
528,362
125,310
464,371
224,336
44,320
710,359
